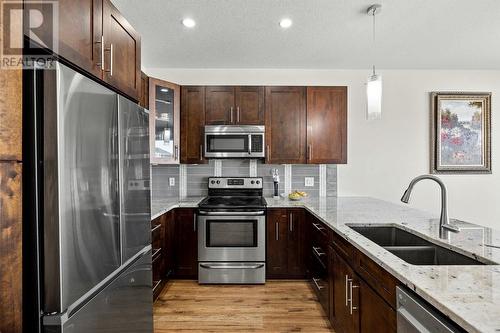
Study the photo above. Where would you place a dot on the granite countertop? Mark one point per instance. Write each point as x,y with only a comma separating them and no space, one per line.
469,295
161,206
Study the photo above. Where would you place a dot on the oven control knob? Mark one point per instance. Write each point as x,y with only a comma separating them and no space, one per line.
252,182
218,182
258,181
213,182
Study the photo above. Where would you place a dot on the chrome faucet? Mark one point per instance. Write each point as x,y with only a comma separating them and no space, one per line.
444,221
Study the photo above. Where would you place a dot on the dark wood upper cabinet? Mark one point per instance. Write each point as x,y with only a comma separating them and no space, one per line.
249,105
80,31
144,94
219,105
164,122
285,125
230,105
122,52
326,125
192,124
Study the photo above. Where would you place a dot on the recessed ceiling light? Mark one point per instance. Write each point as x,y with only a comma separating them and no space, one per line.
286,23
188,22
164,90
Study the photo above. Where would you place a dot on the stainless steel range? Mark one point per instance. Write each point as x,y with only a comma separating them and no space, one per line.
232,232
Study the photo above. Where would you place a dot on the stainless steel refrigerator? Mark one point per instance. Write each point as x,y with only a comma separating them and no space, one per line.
92,222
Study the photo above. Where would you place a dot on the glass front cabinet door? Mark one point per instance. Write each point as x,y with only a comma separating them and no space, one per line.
164,107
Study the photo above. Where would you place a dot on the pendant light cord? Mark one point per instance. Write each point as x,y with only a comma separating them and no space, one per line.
373,34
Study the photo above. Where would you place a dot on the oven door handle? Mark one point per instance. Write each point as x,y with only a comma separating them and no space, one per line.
219,266
203,212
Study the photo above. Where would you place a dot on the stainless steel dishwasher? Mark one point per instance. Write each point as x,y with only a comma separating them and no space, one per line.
415,316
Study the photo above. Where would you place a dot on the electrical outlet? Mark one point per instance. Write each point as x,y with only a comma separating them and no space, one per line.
171,181
309,181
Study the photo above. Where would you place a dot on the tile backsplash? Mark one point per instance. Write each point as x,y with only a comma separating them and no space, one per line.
191,179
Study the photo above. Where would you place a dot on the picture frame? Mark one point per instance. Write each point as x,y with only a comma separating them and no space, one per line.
460,133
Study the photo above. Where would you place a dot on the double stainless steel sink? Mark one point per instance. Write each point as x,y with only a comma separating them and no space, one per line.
414,249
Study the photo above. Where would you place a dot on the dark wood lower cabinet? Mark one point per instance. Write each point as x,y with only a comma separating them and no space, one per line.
186,244
286,243
354,304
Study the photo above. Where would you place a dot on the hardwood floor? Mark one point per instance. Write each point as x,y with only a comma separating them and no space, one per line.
277,306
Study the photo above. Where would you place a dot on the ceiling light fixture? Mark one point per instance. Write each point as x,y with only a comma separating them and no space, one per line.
164,90
188,22
286,23
374,83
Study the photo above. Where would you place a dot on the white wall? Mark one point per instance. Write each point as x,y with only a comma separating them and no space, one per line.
384,155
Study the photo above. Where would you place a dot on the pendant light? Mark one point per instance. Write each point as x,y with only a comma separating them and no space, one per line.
374,82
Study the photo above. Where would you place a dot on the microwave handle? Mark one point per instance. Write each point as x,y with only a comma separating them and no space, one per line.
249,144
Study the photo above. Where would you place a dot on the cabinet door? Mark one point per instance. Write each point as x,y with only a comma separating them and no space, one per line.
327,125
169,243
277,243
249,105
220,108
375,312
192,124
80,31
186,245
345,296
164,122
144,94
297,247
122,56
285,125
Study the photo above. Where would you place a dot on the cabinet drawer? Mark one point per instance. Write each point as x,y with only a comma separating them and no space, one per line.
378,278
342,247
319,282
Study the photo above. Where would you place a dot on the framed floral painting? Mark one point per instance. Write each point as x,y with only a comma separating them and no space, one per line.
460,132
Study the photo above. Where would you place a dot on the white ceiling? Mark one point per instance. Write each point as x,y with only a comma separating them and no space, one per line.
330,34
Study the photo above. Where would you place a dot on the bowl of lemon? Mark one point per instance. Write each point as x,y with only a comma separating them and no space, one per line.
297,195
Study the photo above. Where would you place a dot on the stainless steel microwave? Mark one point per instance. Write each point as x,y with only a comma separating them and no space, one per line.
234,141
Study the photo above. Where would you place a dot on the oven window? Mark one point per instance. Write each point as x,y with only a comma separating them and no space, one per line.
227,143
225,233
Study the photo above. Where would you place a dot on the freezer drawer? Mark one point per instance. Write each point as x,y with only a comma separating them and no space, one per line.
124,306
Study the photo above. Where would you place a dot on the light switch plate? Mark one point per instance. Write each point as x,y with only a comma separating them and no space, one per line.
309,181
171,181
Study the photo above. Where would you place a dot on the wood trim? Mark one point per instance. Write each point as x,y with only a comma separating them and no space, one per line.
11,107
10,247
152,115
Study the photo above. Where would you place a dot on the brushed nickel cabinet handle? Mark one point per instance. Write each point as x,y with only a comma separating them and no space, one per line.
110,70
101,62
351,306
317,284
176,152
201,152
276,231
291,222
267,153
194,222
347,290
231,114
318,226
318,252
237,114
309,152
